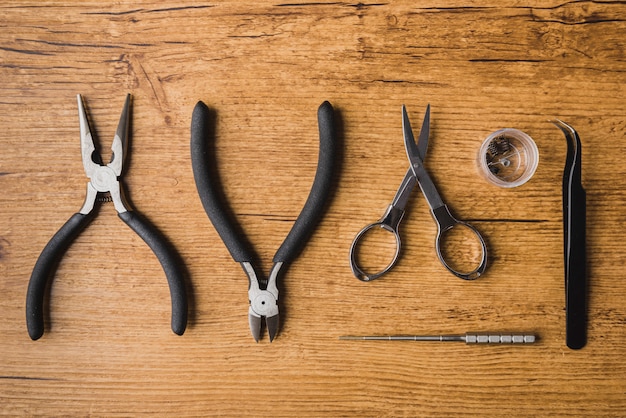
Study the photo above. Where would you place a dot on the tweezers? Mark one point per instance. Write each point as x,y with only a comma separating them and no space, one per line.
574,237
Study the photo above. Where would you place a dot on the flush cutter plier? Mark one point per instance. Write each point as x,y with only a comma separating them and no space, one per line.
262,293
104,179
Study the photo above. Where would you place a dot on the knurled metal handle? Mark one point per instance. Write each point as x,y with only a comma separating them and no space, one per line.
471,338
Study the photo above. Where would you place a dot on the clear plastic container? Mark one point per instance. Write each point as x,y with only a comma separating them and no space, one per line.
508,158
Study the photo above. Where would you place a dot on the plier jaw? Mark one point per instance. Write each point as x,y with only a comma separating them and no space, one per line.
104,178
263,302
256,325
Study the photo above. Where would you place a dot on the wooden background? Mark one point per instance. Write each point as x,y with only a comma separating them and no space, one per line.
264,68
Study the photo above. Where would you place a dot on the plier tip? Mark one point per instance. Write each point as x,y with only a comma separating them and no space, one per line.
271,322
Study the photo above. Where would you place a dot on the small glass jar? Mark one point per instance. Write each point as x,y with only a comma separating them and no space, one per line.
508,158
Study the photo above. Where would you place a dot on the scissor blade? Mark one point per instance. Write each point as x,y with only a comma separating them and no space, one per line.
87,146
421,147
120,141
416,153
422,142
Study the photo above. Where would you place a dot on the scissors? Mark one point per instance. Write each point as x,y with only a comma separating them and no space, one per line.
390,221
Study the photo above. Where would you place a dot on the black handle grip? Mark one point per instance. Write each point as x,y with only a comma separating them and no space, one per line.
320,191
201,161
574,245
576,271
170,261
44,270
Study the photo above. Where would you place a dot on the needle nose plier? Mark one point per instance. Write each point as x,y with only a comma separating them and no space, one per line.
104,179
262,293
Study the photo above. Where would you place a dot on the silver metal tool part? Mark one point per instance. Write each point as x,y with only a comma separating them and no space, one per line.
468,338
103,178
263,302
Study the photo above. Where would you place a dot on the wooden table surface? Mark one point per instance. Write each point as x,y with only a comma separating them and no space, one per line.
264,68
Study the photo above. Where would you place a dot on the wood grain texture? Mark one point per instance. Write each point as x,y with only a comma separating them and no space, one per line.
264,68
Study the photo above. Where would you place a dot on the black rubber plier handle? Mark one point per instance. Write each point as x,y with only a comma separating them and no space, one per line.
262,293
104,179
